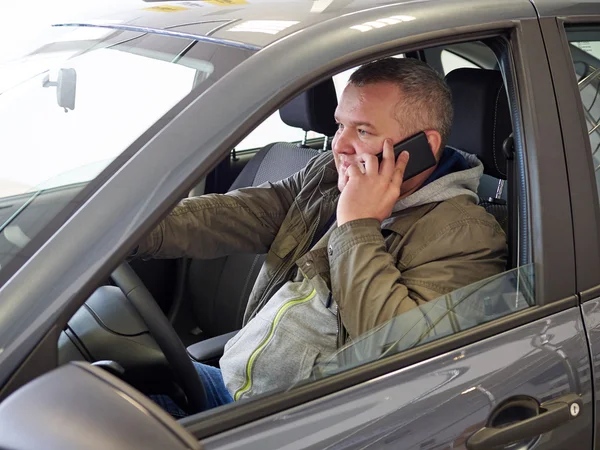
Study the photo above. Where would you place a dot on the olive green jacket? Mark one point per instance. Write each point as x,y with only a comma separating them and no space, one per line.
438,240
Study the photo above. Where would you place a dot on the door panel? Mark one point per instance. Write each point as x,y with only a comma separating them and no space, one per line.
573,57
591,317
439,403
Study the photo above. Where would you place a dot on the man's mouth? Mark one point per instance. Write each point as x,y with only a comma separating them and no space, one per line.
343,167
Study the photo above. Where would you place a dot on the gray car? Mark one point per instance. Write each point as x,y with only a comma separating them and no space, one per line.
108,122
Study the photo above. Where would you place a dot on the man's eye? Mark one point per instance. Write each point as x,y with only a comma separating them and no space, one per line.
362,132
340,127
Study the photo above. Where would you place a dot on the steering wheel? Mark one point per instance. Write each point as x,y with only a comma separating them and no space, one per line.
164,334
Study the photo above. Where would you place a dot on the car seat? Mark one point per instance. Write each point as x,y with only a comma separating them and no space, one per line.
481,125
219,289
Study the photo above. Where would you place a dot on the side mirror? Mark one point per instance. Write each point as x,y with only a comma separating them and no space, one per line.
66,87
81,406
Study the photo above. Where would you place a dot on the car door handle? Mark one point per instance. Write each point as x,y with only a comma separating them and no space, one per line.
551,414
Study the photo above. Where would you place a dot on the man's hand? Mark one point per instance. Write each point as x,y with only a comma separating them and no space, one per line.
372,191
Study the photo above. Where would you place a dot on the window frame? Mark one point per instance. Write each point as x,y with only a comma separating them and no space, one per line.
213,422
578,154
457,56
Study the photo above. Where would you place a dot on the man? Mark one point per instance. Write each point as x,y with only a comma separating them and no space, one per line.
350,245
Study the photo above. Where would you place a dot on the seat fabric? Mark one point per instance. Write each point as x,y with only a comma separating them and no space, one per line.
481,125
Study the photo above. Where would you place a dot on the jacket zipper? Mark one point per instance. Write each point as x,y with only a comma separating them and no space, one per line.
341,340
283,268
248,384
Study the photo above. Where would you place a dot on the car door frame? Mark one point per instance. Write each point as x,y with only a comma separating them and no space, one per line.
580,168
581,178
538,109
83,255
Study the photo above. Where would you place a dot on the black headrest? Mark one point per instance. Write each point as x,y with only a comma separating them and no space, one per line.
481,116
313,110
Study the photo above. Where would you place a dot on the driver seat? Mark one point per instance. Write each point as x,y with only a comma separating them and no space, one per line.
481,125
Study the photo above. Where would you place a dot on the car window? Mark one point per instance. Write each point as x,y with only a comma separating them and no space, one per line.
460,310
451,61
585,53
75,105
273,129
476,304
453,313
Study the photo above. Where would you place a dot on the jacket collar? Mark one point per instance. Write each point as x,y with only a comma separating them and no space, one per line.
401,221
329,178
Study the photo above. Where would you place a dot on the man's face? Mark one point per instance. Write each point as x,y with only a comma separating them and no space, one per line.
366,117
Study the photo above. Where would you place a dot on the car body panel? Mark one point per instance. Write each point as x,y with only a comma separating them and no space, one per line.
561,8
439,403
580,166
288,17
591,317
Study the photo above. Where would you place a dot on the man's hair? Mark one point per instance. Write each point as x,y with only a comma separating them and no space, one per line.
426,98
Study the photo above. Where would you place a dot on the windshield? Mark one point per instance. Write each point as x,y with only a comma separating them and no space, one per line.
72,106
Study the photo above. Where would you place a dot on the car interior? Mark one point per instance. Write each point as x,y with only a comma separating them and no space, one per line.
204,300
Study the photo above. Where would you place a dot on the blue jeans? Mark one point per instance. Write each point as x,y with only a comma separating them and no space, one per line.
216,392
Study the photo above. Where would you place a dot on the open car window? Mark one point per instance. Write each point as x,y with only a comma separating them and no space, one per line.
468,307
273,129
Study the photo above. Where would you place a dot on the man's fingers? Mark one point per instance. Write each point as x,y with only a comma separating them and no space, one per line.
386,167
371,163
401,163
355,170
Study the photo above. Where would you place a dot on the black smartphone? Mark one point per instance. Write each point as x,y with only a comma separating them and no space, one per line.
421,156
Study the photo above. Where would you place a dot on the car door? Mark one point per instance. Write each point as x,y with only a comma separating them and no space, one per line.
496,385
574,59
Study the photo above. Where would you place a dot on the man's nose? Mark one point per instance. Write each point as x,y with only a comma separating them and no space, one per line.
343,143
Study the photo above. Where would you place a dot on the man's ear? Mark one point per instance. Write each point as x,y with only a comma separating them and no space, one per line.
435,141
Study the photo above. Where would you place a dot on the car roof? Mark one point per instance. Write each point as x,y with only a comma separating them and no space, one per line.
260,22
